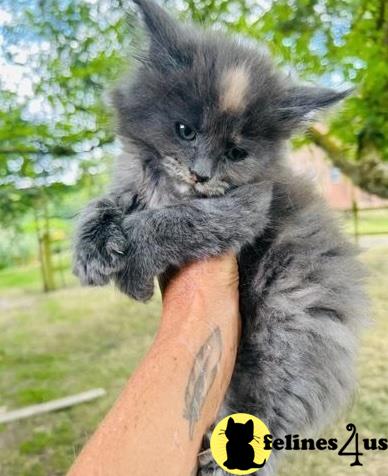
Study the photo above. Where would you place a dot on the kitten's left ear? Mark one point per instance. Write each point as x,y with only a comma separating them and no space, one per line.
299,103
230,423
166,36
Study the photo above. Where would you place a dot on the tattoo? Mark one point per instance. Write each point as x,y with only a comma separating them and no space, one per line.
201,378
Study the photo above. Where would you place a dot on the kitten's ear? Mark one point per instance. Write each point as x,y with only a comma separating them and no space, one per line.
166,36
300,103
249,426
230,423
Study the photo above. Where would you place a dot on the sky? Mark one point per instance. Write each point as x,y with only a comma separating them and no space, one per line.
13,77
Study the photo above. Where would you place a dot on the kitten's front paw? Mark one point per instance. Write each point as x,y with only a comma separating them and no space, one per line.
101,244
134,285
136,278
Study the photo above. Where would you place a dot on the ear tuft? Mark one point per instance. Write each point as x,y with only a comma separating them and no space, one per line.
157,20
303,99
298,104
166,36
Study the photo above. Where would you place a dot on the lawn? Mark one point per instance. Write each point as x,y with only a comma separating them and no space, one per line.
369,221
76,338
59,344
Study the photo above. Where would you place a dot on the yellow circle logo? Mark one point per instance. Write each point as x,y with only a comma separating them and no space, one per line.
237,444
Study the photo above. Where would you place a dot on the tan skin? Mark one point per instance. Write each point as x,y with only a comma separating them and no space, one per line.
157,424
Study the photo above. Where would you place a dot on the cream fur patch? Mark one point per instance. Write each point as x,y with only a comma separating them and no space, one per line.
234,88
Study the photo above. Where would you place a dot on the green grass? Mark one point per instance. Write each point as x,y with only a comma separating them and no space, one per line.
58,344
369,222
27,277
76,338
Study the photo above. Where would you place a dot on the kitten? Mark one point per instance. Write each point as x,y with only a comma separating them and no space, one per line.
204,122
240,453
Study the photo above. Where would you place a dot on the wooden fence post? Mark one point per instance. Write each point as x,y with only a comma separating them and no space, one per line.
355,211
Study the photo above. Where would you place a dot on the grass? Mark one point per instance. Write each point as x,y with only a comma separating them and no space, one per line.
27,277
369,222
58,344
76,338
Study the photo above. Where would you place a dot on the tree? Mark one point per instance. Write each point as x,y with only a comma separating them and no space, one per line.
57,56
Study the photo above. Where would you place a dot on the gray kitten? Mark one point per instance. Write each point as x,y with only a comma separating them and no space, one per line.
204,122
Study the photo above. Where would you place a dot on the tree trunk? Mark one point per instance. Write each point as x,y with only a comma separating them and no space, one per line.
47,251
40,252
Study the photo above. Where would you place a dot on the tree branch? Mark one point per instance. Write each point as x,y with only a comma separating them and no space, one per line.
369,173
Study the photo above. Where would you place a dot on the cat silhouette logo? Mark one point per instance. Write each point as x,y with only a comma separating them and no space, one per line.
237,444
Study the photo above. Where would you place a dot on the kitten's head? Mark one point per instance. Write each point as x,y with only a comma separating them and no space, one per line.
239,432
211,112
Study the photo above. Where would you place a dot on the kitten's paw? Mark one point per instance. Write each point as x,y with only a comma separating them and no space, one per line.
134,285
136,278
101,244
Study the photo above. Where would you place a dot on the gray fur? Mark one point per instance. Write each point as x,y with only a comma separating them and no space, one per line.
301,296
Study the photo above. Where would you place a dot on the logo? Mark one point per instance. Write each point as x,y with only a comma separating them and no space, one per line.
237,444
241,444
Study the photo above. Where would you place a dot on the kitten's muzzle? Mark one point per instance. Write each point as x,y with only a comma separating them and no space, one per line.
199,178
201,169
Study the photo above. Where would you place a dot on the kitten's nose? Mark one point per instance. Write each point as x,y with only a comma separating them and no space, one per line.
199,178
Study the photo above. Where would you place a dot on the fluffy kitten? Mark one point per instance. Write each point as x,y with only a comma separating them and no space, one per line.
204,121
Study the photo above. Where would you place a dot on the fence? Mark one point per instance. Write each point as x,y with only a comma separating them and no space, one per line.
366,221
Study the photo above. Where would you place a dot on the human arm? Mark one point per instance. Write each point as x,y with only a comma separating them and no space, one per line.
157,424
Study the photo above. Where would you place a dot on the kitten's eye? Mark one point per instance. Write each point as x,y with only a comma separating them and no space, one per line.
185,132
236,154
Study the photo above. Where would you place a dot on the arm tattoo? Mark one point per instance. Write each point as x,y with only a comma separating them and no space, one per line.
201,378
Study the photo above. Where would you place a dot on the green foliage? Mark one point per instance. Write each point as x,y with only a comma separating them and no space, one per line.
53,122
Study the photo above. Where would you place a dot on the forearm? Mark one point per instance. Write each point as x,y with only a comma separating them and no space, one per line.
156,426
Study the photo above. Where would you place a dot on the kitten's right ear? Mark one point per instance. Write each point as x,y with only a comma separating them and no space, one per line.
165,35
299,104
249,426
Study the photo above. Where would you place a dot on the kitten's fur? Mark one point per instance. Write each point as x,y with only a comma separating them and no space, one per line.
300,287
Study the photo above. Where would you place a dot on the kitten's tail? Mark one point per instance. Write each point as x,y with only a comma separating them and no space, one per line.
257,465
